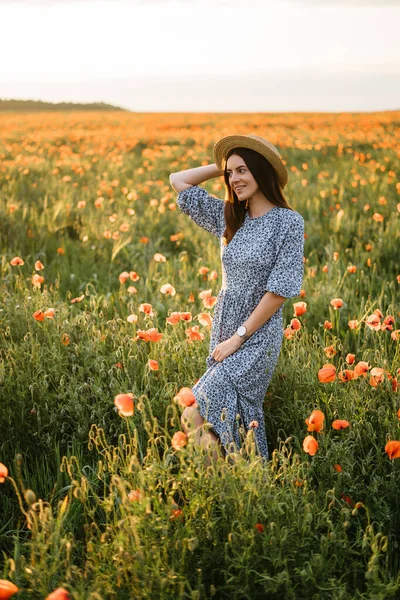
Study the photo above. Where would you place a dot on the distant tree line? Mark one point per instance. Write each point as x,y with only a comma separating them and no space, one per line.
37,105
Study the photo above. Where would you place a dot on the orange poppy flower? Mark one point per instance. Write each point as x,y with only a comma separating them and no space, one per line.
59,594
38,265
350,358
3,473
205,319
153,365
168,289
65,339
16,261
392,449
7,589
373,322
124,276
253,424
330,351
259,527
187,316
398,414
327,373
179,440
337,468
49,313
125,405
194,333
336,303
146,308
353,324
340,424
315,421
174,318
153,335
310,445
78,299
60,251
38,315
132,318
361,368
176,513
37,280
295,324
299,308
134,495
327,325
158,257
185,397
346,375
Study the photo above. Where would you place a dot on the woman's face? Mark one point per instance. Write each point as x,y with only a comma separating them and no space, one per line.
239,177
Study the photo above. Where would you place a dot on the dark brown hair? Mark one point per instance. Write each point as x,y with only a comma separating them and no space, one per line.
267,180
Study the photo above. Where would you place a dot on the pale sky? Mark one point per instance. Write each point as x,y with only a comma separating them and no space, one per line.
204,55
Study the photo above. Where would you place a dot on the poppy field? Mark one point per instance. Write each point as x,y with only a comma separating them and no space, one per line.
106,304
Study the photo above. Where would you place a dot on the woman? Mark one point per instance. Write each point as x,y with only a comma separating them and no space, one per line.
261,247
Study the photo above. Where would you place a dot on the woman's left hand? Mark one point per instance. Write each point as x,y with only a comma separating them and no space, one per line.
226,348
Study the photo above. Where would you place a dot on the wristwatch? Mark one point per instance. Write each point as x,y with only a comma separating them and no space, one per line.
242,332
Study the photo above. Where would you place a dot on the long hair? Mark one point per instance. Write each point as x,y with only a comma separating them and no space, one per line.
267,180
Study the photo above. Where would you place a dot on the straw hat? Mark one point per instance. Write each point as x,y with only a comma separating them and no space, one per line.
254,142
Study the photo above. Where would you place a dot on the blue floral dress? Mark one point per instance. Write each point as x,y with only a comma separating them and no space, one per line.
265,255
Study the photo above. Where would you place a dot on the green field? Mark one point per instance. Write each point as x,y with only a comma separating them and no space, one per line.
103,505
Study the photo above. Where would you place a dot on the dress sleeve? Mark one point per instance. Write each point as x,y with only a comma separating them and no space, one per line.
205,210
286,276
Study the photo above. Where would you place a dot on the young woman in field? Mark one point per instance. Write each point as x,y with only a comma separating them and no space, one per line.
261,248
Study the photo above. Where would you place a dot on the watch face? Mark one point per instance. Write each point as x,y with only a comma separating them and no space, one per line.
241,330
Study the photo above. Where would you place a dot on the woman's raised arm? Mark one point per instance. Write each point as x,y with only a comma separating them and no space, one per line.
183,180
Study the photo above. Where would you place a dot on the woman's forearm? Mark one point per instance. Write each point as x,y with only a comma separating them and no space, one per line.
184,179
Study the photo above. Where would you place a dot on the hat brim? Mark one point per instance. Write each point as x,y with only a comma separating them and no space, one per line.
222,147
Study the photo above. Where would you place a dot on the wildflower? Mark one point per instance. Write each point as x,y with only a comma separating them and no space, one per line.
259,527
132,318
3,473
336,303
337,468
65,339
299,308
78,299
38,265
350,358
361,368
59,594
158,257
310,445
253,424
315,421
353,324
176,513
168,289
185,397
125,405
327,373
38,315
123,276
179,440
49,313
16,261
340,424
392,449
153,365
147,309
134,495
7,589
295,324
327,325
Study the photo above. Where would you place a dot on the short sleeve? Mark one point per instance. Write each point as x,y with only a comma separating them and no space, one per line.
205,210
286,276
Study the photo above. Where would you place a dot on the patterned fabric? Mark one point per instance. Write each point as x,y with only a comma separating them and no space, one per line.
265,254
